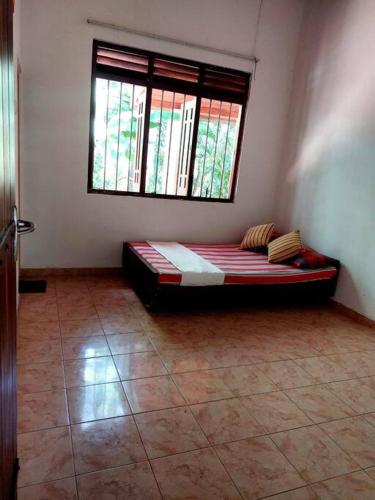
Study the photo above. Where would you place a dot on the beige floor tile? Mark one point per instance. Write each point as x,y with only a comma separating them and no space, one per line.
62,489
356,486
319,403
370,417
305,493
356,436
87,347
42,410
36,377
314,455
202,386
226,420
113,307
39,351
196,474
324,369
275,411
38,313
154,393
135,482
81,328
96,402
286,374
358,394
355,364
180,360
108,296
127,343
71,284
74,298
106,443
72,311
244,380
80,372
39,330
258,468
166,432
139,365
120,323
45,456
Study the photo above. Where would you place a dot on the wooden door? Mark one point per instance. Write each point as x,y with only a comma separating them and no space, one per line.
8,405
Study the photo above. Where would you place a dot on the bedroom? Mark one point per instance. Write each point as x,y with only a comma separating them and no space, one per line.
188,122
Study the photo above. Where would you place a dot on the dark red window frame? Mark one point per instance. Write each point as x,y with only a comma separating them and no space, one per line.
164,72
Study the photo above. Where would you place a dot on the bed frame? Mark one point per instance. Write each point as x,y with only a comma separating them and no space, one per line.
144,279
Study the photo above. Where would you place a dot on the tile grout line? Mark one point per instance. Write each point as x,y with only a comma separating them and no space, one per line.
212,446
67,400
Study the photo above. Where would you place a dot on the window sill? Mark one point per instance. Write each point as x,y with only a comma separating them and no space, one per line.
158,196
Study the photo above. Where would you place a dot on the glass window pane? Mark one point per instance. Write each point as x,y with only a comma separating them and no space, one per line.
118,135
169,143
217,140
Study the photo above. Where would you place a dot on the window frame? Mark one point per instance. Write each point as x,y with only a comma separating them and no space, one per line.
151,81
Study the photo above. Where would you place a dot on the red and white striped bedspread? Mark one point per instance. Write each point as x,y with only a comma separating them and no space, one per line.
240,267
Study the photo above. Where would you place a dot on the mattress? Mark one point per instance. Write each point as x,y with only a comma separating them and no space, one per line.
240,267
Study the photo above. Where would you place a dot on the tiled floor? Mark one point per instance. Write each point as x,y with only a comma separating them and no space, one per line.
115,403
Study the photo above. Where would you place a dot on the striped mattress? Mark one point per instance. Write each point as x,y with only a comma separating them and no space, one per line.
240,267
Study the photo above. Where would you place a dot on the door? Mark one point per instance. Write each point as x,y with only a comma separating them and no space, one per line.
8,403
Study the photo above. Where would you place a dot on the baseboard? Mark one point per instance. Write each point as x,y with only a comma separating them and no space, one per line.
69,271
350,313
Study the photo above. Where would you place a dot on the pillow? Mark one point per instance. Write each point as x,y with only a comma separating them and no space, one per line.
257,236
310,259
285,247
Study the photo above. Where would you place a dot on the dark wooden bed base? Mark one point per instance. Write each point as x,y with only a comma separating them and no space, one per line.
153,294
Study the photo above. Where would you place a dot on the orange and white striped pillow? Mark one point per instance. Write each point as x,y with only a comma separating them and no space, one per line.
257,236
285,247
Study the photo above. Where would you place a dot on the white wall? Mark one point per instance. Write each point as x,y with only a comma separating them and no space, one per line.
329,162
76,229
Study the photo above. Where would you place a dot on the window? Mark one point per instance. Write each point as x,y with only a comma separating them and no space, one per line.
164,127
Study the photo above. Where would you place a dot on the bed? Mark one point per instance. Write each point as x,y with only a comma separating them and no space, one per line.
247,276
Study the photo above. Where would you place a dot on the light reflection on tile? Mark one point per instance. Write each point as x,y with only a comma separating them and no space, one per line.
79,372
88,347
95,402
129,343
81,328
139,365
155,393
